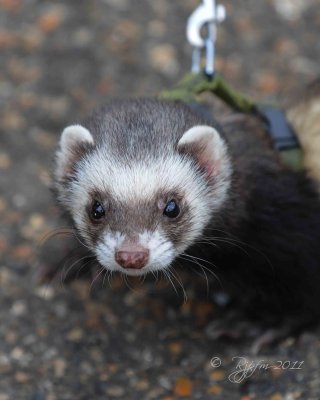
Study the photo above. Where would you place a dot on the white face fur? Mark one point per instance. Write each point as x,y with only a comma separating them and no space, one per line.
138,217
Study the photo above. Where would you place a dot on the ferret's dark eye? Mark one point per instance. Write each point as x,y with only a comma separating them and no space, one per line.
97,211
171,209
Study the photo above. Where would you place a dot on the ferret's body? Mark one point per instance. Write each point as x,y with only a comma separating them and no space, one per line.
146,181
272,227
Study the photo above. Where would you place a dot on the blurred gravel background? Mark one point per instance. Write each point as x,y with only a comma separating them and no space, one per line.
58,61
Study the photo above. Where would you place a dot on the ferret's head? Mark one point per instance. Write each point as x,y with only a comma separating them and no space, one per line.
138,210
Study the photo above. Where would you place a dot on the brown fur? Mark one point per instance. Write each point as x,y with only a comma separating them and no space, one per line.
304,115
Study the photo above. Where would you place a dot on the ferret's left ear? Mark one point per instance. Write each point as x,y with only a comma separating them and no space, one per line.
74,142
208,149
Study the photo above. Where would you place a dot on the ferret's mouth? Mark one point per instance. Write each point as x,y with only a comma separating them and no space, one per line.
133,272
137,272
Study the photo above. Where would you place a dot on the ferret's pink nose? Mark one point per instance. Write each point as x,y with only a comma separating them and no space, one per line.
135,257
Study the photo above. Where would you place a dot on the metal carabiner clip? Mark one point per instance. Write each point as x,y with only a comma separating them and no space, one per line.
207,14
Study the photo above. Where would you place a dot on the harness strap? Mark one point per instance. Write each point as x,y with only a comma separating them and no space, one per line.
283,137
282,134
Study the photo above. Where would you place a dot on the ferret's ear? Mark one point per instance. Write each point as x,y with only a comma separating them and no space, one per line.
74,142
208,149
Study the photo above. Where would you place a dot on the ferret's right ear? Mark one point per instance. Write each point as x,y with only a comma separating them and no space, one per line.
74,142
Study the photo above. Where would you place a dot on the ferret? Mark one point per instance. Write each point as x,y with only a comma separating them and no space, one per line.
147,182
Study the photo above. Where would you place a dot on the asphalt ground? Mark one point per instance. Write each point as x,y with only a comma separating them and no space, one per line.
80,340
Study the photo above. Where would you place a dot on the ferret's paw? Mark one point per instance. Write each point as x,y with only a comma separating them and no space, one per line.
270,338
288,328
232,326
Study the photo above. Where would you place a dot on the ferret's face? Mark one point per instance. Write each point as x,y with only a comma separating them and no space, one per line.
138,215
